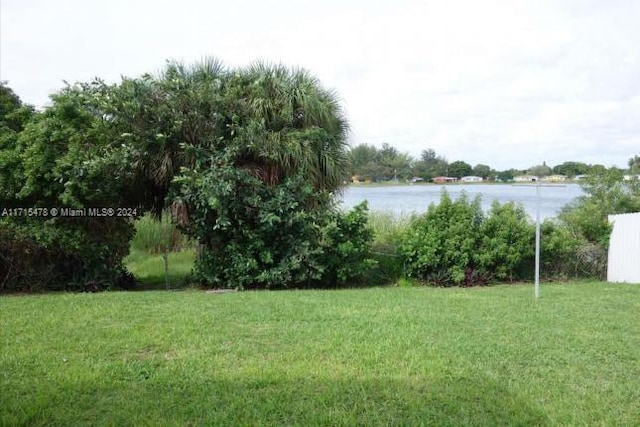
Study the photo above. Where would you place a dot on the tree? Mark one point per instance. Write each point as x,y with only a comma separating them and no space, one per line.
430,165
540,170
258,195
152,118
428,156
298,126
634,165
360,156
14,116
507,175
394,164
459,169
481,170
606,193
571,169
381,164
58,164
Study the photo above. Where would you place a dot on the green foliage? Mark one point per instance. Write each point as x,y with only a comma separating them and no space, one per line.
14,116
257,235
439,245
459,169
63,254
53,164
149,269
606,193
454,243
155,236
256,189
360,156
387,232
506,242
275,138
483,171
430,165
581,238
345,242
540,170
634,165
507,175
559,251
571,169
384,164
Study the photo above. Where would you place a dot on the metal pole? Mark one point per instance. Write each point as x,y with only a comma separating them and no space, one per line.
537,279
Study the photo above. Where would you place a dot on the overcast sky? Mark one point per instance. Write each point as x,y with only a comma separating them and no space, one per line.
506,83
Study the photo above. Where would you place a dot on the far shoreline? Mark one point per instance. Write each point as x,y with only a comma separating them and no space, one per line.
453,184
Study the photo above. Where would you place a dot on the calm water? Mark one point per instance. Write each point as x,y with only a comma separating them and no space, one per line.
405,199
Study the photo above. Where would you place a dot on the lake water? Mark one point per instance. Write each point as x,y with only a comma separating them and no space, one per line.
405,199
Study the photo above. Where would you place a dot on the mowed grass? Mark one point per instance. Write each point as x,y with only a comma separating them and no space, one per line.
381,356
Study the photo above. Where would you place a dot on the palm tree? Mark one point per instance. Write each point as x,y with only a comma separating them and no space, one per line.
280,121
153,117
299,125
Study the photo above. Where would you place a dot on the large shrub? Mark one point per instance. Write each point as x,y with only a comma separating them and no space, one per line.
581,236
567,255
439,246
606,193
455,243
57,161
256,235
63,254
506,242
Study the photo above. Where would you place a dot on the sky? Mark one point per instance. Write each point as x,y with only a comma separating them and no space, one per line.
507,83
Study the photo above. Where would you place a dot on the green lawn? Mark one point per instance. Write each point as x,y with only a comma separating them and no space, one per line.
382,356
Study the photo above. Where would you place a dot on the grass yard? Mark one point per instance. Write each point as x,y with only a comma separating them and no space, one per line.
383,356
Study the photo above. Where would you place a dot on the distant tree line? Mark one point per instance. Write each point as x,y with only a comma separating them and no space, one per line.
387,163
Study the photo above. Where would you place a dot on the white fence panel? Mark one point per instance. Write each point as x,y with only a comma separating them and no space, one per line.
624,249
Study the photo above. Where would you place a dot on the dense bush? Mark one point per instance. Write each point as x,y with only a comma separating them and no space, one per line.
506,243
55,160
577,244
455,243
346,247
559,249
63,254
256,235
439,246
606,193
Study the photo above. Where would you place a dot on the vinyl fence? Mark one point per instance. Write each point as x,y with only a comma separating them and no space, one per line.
624,249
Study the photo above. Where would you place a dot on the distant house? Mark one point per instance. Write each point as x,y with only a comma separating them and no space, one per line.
631,177
525,178
444,179
471,179
416,179
555,178
358,179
